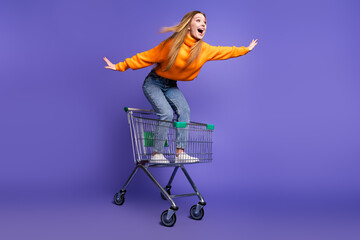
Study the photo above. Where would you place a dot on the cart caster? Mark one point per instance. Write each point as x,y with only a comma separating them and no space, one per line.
119,198
167,189
168,222
196,213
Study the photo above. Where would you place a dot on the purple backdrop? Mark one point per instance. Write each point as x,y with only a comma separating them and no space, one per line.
286,116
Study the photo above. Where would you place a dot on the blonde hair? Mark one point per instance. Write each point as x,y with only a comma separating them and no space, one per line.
180,31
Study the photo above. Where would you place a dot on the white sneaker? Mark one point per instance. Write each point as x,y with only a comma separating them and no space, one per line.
158,158
185,158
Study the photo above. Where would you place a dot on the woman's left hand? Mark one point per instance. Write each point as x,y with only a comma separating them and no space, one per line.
110,65
253,44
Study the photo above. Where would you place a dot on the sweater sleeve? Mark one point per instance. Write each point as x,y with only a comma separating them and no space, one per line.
142,60
222,53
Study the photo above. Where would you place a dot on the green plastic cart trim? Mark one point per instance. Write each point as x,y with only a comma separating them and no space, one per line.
210,126
149,140
179,124
126,109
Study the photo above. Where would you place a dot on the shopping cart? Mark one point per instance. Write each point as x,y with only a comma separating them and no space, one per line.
143,127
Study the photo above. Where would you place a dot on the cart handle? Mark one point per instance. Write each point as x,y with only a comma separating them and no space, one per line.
137,110
175,124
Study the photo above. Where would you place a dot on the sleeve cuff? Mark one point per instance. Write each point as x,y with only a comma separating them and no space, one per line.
122,66
243,50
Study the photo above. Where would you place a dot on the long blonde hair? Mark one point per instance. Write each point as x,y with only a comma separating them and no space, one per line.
180,31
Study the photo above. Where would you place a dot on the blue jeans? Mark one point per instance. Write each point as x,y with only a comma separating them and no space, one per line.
165,97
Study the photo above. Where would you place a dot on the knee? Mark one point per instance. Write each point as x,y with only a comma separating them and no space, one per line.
167,115
184,113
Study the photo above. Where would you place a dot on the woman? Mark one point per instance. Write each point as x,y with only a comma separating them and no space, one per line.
178,58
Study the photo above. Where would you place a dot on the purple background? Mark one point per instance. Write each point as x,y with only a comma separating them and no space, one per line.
286,153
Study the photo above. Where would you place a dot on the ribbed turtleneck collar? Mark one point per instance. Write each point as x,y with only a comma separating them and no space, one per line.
189,40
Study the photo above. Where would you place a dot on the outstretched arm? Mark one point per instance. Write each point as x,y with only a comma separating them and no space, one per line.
140,60
222,53
110,65
252,44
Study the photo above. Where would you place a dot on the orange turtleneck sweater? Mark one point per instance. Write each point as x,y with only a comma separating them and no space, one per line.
179,71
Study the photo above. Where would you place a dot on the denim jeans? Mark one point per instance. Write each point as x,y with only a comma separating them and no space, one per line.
165,97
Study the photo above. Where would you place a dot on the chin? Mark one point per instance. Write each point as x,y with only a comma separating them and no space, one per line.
199,37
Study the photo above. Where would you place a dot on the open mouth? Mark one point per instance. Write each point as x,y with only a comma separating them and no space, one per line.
200,30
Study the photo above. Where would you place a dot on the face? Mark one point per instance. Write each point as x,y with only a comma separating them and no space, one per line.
197,27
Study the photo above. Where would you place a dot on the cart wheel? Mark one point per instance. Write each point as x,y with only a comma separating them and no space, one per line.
163,196
119,198
170,222
197,216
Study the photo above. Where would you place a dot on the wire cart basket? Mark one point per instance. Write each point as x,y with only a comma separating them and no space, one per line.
144,125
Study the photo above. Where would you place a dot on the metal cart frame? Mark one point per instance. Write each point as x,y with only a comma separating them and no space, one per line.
142,125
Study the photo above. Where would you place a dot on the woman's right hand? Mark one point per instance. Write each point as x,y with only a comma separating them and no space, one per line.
110,65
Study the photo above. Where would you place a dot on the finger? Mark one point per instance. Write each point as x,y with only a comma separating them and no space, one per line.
107,60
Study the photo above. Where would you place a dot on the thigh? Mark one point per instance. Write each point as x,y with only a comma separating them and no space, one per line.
178,102
155,95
